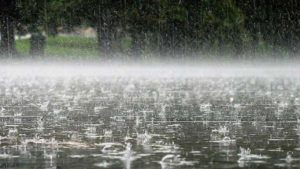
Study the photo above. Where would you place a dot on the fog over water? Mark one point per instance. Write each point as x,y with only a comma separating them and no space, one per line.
173,69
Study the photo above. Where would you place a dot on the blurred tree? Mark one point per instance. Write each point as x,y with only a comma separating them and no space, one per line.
100,14
162,27
174,16
8,15
32,12
223,26
274,22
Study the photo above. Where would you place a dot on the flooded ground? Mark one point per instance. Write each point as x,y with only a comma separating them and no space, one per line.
150,121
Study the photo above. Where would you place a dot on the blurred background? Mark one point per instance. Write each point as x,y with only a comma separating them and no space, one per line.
149,29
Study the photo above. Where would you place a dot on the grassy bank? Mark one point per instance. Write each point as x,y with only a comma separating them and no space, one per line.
74,47
68,47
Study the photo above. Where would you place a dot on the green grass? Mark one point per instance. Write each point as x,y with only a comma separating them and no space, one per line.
72,42
23,47
74,47
70,47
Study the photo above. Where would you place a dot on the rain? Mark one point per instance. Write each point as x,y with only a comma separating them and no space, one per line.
161,84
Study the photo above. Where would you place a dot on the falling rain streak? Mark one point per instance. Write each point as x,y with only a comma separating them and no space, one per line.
167,84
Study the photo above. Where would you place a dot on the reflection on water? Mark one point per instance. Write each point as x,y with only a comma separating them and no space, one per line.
139,122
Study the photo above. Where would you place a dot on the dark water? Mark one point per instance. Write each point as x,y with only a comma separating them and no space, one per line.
149,123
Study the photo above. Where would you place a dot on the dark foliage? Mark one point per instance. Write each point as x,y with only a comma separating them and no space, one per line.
164,27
